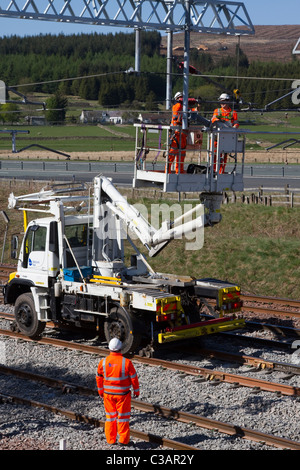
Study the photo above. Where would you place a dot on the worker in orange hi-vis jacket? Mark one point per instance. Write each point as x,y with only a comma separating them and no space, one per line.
178,138
225,114
115,376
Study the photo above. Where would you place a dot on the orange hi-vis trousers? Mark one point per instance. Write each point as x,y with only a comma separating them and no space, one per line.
117,409
115,376
223,160
178,142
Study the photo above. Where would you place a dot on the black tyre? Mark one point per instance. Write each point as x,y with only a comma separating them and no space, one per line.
120,324
26,317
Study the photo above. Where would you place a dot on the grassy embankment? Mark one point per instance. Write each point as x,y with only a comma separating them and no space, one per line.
254,246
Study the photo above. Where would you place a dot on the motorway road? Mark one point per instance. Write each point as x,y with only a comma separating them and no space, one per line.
268,176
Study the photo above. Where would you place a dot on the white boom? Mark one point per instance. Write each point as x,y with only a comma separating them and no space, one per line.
154,240
105,194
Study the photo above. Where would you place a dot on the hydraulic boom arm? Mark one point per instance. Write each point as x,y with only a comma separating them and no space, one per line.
154,240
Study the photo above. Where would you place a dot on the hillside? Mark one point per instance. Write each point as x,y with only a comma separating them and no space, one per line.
269,43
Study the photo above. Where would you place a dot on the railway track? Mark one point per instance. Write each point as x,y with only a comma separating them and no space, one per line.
268,307
257,362
200,372
146,437
252,303
173,414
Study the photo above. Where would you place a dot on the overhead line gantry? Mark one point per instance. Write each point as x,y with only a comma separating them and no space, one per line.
213,16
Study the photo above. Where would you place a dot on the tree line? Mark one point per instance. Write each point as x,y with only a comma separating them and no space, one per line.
99,67
48,63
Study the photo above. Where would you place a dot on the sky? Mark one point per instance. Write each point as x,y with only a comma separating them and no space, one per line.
261,12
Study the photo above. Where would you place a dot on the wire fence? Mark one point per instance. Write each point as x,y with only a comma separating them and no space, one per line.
266,197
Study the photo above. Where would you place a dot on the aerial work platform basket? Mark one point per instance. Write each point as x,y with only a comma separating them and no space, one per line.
218,168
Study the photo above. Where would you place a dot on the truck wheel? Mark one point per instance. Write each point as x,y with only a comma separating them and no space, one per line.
120,324
26,317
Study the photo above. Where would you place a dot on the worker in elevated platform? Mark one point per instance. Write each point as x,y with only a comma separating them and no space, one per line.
226,115
178,137
115,376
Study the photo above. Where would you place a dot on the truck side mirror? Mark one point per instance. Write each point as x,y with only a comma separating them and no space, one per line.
53,238
14,246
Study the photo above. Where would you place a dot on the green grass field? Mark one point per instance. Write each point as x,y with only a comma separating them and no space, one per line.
93,138
72,138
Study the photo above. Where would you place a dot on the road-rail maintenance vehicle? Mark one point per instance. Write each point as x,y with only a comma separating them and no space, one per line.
72,266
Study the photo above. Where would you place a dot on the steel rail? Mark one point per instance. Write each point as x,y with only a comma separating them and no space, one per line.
278,329
209,374
75,416
270,300
8,268
222,376
270,310
169,413
257,362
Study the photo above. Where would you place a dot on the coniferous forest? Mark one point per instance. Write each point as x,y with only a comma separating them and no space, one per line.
96,67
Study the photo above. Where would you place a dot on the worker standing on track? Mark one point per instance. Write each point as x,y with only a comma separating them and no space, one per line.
178,138
224,114
115,376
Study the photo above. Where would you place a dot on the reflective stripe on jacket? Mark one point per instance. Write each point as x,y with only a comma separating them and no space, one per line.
225,115
116,374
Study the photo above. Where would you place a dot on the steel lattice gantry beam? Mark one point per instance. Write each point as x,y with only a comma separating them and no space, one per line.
213,16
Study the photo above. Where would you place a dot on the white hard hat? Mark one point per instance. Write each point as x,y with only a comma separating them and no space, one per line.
224,97
115,345
178,95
